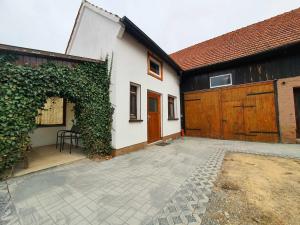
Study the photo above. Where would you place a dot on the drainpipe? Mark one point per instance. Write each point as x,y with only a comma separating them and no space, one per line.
277,108
181,102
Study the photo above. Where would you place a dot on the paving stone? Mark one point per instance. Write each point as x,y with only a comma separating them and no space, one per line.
177,220
163,221
160,185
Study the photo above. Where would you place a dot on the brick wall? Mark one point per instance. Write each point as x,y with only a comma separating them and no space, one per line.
286,108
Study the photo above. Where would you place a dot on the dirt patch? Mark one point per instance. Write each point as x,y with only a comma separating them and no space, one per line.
255,190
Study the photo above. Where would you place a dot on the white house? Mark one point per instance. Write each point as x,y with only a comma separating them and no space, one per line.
144,84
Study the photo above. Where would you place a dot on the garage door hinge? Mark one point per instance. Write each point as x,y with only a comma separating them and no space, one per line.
260,93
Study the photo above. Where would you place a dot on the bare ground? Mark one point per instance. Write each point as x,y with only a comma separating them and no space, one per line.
255,190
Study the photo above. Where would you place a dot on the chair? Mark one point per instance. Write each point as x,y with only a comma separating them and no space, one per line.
62,135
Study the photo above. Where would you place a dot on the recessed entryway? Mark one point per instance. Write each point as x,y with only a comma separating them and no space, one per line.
297,110
154,116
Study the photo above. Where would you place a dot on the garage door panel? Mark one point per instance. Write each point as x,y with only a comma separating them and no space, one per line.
202,114
192,111
233,94
240,113
260,115
233,127
250,115
266,113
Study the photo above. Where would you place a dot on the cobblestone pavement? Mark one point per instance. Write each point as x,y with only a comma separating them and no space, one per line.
159,185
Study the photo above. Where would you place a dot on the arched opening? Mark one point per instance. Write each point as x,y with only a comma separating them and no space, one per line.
27,83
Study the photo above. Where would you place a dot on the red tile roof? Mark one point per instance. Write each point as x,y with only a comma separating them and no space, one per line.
277,31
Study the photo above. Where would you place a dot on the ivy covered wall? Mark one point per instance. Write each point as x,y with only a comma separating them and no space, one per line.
25,89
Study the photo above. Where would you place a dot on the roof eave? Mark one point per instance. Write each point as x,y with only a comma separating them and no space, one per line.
44,54
248,58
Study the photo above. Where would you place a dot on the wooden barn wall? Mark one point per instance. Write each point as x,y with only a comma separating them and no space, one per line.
34,61
287,64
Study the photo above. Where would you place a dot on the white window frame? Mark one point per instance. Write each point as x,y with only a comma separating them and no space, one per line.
138,101
224,85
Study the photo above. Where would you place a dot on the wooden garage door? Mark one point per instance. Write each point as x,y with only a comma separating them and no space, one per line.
245,112
203,112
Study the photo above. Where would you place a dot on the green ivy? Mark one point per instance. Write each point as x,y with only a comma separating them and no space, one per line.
25,89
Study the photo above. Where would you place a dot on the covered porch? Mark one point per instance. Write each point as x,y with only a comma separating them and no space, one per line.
51,140
57,114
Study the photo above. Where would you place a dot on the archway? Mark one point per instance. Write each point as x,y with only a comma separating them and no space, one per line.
25,89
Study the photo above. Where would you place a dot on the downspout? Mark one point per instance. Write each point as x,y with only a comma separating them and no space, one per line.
277,108
182,114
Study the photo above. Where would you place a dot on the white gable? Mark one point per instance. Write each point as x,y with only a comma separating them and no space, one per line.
98,33
94,32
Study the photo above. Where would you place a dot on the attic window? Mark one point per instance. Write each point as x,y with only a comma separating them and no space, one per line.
155,67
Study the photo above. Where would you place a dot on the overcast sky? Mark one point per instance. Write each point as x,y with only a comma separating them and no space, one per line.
172,24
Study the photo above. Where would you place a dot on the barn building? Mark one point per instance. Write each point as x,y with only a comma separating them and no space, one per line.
244,85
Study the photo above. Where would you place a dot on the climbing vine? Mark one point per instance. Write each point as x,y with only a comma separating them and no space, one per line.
25,89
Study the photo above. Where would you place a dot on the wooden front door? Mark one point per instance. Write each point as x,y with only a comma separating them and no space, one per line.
154,117
297,110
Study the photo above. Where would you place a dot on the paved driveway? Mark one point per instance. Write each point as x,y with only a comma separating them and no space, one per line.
159,185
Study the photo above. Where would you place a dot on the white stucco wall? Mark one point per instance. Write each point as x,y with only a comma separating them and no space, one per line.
98,36
131,66
95,37
44,136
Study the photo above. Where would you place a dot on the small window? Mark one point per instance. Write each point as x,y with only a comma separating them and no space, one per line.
134,101
154,67
153,105
171,108
52,114
221,80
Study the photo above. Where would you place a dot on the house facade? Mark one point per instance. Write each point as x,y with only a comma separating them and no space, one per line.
145,86
245,85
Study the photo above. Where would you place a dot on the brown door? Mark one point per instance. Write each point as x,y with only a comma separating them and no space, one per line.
233,124
297,110
154,123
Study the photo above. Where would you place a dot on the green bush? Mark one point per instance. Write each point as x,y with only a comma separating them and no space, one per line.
25,89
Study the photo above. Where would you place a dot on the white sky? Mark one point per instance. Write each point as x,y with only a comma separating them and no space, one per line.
172,24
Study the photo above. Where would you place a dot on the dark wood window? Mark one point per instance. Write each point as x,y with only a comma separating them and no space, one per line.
171,107
133,101
155,67
53,113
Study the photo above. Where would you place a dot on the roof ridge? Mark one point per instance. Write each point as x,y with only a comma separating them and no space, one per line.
236,30
100,8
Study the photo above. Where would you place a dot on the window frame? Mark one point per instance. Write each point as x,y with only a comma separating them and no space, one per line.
222,75
138,103
174,108
64,117
154,59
